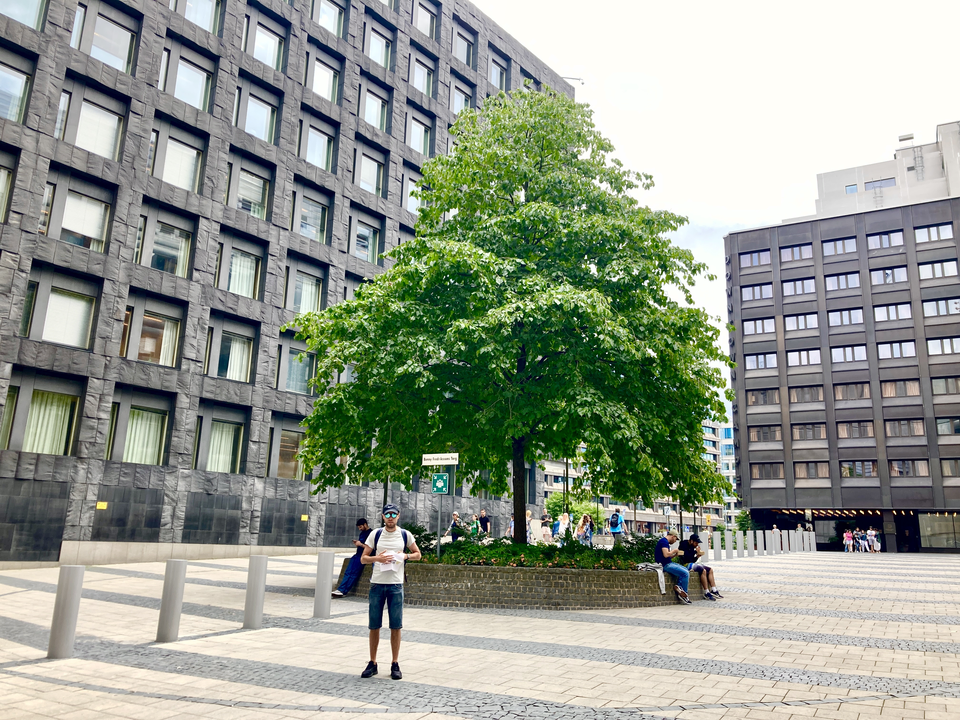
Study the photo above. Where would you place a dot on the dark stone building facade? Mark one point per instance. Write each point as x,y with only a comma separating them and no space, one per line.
178,180
847,350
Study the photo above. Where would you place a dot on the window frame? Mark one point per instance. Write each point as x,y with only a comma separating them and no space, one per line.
803,357
430,65
287,344
372,26
209,412
867,468
754,323
126,398
908,468
296,264
409,181
794,250
316,7
9,163
151,215
365,150
462,32
431,9
897,385
806,286
97,8
413,115
359,216
879,276
173,52
820,469
80,93
928,234
754,258
943,346
884,240
64,182
898,350
844,315
949,306
856,430
39,17
179,7
304,191
843,281
278,423
854,350
385,95
863,396
45,279
140,303
900,423
465,88
839,244
896,309
754,289
794,392
944,265
164,131
219,324
947,382
806,432
28,380
238,164
227,243
764,433
496,59
255,18
806,319
266,95
757,393
315,54
19,64
755,359
766,471
309,121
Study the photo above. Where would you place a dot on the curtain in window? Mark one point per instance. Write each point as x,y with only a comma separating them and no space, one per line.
168,349
243,274
171,250
239,351
98,131
307,293
224,444
181,165
85,218
49,423
299,372
145,432
6,424
288,464
68,318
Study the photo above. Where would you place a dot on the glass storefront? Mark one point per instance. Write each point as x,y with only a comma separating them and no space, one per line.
940,530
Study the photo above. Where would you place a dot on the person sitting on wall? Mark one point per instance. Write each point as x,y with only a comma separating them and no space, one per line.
355,568
665,556
691,554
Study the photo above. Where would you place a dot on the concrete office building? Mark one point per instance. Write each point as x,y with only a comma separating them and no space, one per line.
177,180
847,347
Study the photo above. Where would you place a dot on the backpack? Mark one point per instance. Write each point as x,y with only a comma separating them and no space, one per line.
376,539
614,526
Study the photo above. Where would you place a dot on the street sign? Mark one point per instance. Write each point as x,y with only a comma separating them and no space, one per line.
441,459
441,483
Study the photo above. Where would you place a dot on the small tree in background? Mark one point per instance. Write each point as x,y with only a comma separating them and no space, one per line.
534,311
745,521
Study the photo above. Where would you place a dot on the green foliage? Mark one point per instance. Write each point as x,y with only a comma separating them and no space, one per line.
534,312
504,553
578,508
424,538
745,521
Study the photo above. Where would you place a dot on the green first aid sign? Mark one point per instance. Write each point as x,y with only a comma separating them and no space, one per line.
441,483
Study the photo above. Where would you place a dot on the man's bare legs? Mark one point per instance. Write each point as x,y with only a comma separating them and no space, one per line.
394,644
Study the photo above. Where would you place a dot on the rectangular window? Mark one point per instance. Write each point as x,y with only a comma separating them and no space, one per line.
758,327
28,12
14,87
419,138
230,349
943,346
909,468
371,175
845,317
842,282
378,48
366,242
904,428
766,470
934,233
248,186
110,41
756,292
858,468
815,431
758,362
933,308
808,394
889,275
765,433
901,388
425,19
498,75
950,468
326,81
944,386
839,247
176,157
422,77
461,97
753,259
319,148
186,74
800,322
854,353
948,426
797,252
303,285
288,463
99,130
264,39
463,47
878,184
763,397
811,470
151,331
59,309
797,358
854,430
897,350
850,189
75,211
851,391
300,370
203,13
224,448
375,110
329,15
799,287
313,219
164,241
885,240
261,118
883,313
929,271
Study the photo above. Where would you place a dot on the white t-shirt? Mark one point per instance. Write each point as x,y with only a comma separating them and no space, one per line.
387,573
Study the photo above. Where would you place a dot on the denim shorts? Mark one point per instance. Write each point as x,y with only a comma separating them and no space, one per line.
392,595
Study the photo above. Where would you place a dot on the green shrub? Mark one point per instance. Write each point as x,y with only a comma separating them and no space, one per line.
425,540
503,553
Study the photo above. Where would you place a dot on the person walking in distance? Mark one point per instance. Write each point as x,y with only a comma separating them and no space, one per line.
616,527
387,549
485,522
355,568
585,531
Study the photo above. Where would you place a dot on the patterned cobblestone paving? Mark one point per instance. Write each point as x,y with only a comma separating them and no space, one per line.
798,655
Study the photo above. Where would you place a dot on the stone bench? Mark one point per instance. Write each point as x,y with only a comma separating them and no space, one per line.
483,586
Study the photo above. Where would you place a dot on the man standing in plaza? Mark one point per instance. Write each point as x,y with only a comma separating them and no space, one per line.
616,527
355,568
387,549
484,523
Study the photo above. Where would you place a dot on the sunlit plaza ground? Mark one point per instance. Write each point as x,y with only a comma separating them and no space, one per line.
798,636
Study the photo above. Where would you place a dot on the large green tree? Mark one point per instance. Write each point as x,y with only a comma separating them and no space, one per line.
540,307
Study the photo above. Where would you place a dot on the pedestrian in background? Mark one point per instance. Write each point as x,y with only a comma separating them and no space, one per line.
584,531
355,568
485,522
475,525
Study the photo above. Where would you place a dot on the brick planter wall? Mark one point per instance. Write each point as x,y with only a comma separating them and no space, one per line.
536,588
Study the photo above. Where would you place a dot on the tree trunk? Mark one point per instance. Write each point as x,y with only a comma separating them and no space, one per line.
519,492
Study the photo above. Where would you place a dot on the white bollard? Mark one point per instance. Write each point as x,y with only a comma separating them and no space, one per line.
66,608
750,537
805,542
717,547
321,596
256,589
794,545
728,538
761,546
171,602
785,536
773,543
813,540
739,543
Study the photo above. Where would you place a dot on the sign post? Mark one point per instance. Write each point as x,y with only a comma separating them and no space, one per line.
440,484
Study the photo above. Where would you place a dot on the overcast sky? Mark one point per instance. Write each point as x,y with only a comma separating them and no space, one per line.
734,107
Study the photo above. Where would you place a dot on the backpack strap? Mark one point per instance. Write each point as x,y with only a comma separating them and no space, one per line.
403,533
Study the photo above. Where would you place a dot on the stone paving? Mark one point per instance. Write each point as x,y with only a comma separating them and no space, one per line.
797,636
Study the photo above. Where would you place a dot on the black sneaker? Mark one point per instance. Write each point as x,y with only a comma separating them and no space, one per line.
370,670
709,596
716,593
684,599
681,595
395,671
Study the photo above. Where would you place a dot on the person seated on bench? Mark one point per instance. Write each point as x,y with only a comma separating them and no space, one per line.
665,556
692,552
